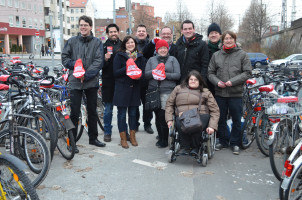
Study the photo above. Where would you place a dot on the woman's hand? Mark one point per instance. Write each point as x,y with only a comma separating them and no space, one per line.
210,130
228,83
170,123
221,84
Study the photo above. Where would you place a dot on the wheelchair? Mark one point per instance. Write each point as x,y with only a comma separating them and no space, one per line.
206,149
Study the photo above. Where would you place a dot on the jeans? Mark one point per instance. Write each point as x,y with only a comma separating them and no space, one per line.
121,118
91,97
147,115
233,106
108,118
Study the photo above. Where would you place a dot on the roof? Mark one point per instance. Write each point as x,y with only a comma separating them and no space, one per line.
78,3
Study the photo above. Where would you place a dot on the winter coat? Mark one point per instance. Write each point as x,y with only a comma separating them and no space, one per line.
90,50
192,55
185,99
149,50
141,44
127,90
234,66
172,70
107,71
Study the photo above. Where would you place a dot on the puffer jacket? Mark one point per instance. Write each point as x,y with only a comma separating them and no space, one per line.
90,50
172,70
184,99
234,66
192,55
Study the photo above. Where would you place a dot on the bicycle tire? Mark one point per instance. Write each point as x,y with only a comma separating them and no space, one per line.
277,150
299,93
100,112
247,131
27,137
261,133
295,180
279,89
11,186
66,144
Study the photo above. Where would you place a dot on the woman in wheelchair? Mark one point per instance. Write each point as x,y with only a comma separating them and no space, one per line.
185,97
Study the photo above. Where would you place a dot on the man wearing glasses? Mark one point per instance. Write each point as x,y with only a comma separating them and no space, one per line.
90,50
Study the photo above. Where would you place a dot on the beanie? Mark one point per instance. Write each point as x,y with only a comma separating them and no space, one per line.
214,27
161,43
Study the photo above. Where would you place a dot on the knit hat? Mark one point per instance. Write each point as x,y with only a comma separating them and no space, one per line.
214,27
161,43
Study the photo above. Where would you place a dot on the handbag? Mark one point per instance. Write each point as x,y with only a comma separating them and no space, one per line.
152,102
191,121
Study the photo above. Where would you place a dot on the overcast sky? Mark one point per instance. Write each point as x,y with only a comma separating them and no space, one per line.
199,7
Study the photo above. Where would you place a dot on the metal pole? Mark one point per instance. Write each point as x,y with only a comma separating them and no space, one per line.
51,39
61,27
129,16
114,12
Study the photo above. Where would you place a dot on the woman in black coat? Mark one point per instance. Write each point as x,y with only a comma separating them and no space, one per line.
127,90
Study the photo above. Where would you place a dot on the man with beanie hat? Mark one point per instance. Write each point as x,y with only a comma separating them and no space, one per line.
191,51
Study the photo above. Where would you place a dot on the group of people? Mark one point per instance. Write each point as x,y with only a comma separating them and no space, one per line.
211,73
45,50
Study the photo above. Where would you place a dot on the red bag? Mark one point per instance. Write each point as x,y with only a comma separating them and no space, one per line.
132,70
79,70
159,72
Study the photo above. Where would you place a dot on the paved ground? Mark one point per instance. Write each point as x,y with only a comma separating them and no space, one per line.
143,173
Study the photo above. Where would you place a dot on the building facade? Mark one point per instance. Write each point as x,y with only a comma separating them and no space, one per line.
20,22
77,9
100,28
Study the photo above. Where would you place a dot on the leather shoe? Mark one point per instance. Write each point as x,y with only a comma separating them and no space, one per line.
149,130
97,143
107,138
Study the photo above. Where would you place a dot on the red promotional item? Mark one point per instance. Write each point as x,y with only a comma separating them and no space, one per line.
159,72
132,70
79,70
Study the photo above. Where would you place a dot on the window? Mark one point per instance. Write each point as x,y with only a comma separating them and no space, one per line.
68,19
17,21
35,23
10,3
82,10
72,19
2,2
77,10
72,26
23,5
11,20
29,6
30,23
77,19
17,3
41,24
71,10
35,8
24,22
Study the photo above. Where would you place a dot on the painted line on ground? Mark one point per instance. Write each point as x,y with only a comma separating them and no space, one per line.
108,153
156,164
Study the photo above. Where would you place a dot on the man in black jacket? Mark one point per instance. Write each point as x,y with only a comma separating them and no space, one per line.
166,33
90,50
191,51
142,41
111,46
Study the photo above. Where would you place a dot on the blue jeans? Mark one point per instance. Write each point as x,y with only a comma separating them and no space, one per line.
121,118
108,118
233,106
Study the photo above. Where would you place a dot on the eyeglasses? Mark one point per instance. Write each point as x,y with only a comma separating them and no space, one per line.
84,25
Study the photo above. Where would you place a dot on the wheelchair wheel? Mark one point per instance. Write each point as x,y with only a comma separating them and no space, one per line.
171,156
211,145
203,156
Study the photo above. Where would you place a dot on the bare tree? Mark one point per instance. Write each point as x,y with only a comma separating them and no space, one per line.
219,14
255,22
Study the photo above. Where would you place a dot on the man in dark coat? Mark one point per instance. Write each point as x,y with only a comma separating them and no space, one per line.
166,33
192,51
142,41
90,49
111,46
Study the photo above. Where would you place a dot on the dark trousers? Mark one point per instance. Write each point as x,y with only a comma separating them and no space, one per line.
147,115
233,106
161,125
76,98
188,140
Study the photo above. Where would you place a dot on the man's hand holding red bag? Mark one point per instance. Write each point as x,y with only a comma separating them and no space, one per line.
79,70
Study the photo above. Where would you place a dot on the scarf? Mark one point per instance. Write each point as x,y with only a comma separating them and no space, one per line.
213,47
228,49
162,59
132,55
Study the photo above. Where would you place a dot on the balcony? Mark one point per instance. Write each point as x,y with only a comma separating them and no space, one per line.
47,3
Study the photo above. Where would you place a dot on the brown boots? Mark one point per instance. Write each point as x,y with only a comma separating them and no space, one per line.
124,140
132,138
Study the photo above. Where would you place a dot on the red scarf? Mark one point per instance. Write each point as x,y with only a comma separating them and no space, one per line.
227,49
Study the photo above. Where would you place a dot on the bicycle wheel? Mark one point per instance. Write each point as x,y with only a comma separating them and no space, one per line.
100,112
279,88
66,144
15,183
299,93
247,131
295,186
261,129
31,147
278,149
